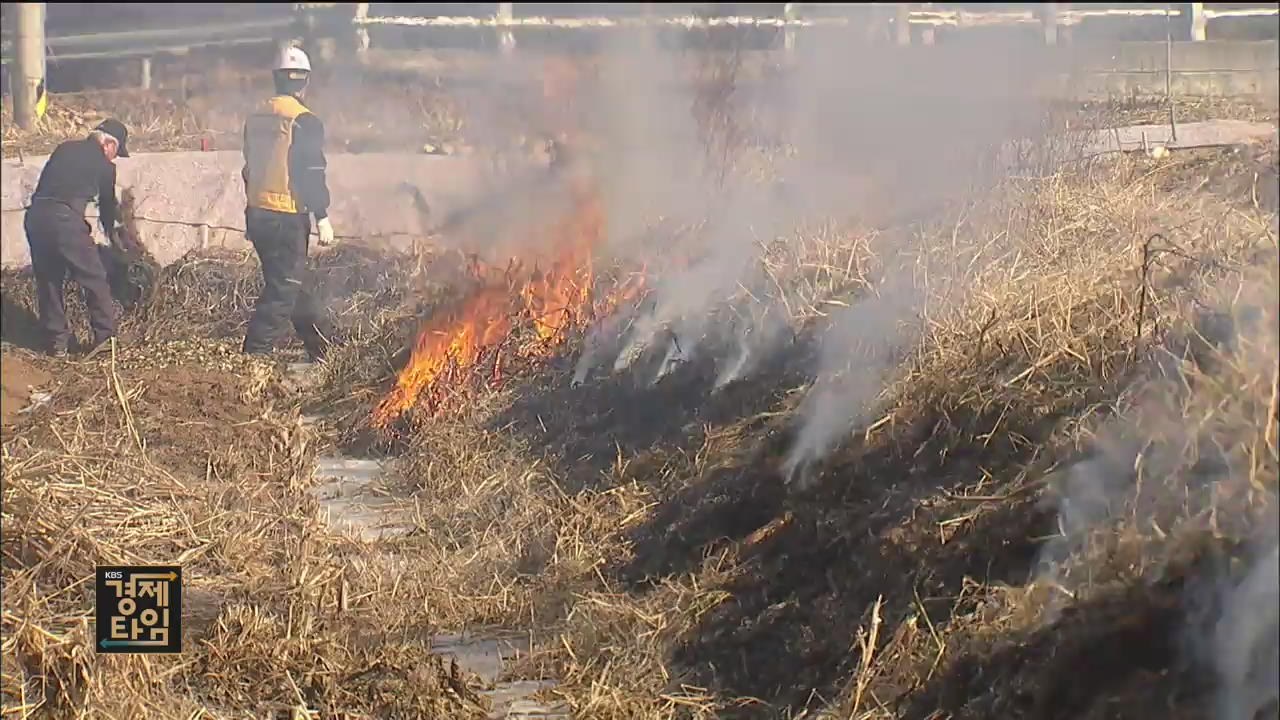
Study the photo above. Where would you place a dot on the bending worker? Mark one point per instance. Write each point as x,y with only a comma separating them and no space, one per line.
284,179
61,239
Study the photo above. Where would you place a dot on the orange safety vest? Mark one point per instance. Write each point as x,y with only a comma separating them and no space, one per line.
268,134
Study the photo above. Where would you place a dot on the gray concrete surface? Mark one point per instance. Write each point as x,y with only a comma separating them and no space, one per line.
1189,135
177,192
356,503
353,500
1231,68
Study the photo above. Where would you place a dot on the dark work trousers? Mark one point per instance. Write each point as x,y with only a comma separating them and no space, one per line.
280,240
61,245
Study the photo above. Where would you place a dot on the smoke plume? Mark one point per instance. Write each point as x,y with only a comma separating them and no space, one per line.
1246,643
1189,461
744,150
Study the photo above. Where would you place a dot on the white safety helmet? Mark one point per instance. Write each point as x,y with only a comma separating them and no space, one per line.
292,58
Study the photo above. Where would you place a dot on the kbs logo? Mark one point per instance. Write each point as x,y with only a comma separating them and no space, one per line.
139,609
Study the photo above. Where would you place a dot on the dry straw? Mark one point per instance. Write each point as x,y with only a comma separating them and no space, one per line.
675,578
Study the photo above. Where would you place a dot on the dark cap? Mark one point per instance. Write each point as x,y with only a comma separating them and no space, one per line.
117,130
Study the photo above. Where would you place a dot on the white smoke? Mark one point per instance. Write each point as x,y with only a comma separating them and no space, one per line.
755,339
863,346
1246,643
861,132
1177,465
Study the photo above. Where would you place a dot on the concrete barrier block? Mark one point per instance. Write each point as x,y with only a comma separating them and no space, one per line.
1225,55
1139,57
1147,56
177,193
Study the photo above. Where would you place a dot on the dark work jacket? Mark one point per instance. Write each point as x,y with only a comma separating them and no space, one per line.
77,173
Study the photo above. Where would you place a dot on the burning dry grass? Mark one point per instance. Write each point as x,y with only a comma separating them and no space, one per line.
670,574
554,294
683,582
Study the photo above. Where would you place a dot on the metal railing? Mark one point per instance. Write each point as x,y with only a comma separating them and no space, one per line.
793,16
136,43
142,43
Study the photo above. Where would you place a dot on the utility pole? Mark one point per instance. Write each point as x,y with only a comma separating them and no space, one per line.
1168,71
789,31
902,24
506,38
29,92
362,32
1198,33
1049,19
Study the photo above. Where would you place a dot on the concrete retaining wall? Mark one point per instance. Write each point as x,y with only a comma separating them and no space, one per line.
1228,68
178,192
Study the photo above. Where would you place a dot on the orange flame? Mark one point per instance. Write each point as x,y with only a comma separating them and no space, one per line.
554,300
552,295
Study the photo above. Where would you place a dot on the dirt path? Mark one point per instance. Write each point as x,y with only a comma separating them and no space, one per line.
355,502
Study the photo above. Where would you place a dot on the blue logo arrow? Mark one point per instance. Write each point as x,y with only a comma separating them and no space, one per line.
114,643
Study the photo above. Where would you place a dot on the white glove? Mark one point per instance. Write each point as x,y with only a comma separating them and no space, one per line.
325,229
108,236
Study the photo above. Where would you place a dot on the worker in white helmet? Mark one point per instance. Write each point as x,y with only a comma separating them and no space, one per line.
284,179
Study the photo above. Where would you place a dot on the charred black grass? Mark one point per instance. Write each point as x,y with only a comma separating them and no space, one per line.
642,533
